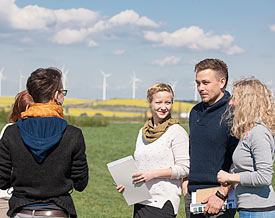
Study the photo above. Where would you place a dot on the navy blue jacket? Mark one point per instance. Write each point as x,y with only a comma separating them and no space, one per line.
211,145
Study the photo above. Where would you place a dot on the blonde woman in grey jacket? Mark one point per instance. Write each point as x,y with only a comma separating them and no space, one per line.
252,106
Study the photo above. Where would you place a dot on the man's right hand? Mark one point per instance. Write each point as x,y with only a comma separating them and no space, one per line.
184,187
214,205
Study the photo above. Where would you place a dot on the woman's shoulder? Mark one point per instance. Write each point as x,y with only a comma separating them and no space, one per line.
260,128
5,128
177,130
73,129
177,127
261,132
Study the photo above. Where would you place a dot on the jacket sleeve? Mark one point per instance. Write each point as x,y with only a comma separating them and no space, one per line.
262,149
79,169
180,149
5,165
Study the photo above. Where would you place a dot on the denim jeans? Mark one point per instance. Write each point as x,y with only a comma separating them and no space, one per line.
20,215
248,214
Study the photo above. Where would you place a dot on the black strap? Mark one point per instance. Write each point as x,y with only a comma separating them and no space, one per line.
221,196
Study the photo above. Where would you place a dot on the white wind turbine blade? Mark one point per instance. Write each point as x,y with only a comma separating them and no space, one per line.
104,85
1,78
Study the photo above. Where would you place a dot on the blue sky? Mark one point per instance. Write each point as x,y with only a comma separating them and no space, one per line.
160,41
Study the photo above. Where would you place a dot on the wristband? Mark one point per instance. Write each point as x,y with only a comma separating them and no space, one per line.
221,196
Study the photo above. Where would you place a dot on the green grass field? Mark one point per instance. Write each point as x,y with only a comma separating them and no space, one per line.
105,144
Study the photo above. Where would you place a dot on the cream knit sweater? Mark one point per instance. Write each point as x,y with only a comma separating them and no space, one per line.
171,150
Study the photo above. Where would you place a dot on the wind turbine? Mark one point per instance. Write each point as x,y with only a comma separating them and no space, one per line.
104,86
195,92
65,77
173,86
1,78
134,80
21,77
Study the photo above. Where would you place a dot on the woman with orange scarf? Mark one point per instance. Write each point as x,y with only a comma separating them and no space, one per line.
41,156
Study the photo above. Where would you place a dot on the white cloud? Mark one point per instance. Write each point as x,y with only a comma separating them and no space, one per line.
172,60
26,40
69,36
33,17
193,38
80,16
269,83
192,62
92,43
72,25
79,25
272,28
119,52
131,17
234,50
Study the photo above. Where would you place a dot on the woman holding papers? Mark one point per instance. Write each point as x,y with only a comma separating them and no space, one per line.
162,156
252,106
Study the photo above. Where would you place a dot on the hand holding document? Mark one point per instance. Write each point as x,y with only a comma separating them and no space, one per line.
197,207
122,171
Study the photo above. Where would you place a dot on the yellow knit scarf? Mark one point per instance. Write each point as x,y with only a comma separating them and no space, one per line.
49,109
151,133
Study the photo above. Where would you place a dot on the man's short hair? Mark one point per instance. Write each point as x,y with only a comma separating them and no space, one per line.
216,65
43,83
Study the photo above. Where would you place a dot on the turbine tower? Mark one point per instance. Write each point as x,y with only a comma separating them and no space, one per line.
21,77
1,78
104,86
173,86
65,77
134,80
195,92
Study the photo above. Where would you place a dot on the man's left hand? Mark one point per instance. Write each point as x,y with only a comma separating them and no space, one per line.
214,205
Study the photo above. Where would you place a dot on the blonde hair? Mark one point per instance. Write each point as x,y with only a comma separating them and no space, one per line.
253,103
158,87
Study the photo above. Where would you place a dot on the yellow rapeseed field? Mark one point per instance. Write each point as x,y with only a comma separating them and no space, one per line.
71,101
6,103
91,112
126,102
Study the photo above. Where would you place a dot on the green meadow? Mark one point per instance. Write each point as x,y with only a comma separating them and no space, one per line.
105,144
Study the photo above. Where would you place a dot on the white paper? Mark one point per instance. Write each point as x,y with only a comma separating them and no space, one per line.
122,171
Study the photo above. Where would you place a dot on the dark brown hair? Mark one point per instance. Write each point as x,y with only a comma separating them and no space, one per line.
216,65
22,100
43,83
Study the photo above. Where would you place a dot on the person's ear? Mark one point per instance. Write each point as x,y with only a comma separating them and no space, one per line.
222,82
55,97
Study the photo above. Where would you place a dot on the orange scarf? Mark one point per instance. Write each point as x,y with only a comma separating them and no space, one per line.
49,109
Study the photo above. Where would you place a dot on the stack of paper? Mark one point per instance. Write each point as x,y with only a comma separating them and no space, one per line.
122,171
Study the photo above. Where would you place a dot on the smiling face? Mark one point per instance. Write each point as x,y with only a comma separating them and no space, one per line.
161,105
210,86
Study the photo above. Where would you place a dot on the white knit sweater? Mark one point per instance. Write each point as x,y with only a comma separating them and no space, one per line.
171,150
